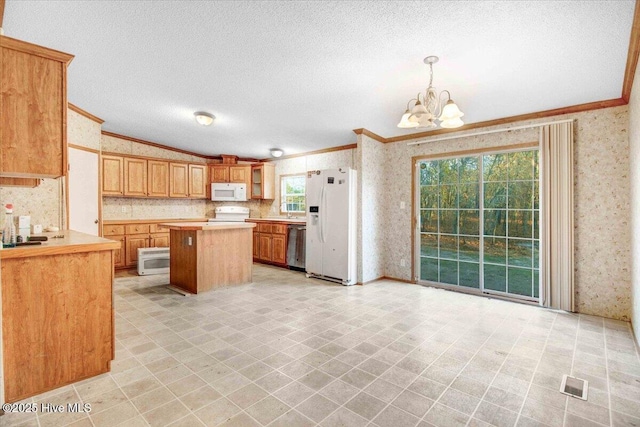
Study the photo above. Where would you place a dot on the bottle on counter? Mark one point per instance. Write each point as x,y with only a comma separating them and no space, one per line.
9,230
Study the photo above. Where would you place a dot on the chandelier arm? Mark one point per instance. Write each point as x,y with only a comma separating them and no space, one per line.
439,111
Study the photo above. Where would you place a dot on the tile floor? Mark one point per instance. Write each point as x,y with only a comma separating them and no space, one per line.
289,351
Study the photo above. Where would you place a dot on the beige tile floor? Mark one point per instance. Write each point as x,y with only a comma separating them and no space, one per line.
289,351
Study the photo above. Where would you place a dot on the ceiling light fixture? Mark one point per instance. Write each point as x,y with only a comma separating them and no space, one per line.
424,113
276,152
205,119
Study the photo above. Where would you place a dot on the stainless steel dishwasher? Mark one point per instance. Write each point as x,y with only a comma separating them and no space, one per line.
296,247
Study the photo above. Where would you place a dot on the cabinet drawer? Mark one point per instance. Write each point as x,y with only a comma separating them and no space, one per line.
113,230
279,228
264,228
157,228
137,228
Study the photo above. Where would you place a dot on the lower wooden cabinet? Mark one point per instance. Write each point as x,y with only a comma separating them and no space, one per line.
119,260
270,243
133,237
57,319
133,243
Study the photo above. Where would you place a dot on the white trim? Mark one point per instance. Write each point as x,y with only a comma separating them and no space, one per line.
486,132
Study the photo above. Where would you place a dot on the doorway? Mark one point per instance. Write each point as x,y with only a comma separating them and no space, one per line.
478,223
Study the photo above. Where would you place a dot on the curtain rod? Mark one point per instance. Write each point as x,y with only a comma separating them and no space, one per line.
485,132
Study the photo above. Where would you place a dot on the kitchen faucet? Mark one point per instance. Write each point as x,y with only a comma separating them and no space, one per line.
288,213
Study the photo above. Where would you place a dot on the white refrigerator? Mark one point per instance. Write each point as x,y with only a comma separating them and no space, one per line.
331,225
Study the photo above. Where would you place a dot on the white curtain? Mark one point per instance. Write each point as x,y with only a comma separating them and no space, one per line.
556,143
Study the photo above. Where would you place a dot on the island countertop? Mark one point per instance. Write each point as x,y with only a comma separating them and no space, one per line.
72,242
206,226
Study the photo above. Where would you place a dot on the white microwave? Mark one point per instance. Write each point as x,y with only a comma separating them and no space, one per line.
232,192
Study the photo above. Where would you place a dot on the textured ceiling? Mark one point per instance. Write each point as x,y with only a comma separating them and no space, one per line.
301,75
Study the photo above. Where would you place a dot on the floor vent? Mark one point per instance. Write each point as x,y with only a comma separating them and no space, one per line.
574,387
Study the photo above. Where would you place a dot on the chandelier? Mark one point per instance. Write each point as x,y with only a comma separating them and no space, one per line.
428,107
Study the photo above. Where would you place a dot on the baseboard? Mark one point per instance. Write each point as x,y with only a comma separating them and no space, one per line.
395,279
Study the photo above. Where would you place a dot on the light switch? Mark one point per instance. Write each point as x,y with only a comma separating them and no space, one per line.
401,205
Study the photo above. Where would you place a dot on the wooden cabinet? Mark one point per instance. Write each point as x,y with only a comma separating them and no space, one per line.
240,173
135,177
58,330
119,260
112,175
33,110
279,248
157,178
132,244
198,181
131,176
178,180
263,178
270,243
133,236
219,173
116,232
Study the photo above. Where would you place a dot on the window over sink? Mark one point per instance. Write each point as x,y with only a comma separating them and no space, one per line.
292,194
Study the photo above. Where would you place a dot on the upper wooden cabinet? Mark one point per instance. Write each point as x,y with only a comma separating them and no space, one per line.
135,177
219,173
157,178
240,173
178,180
33,110
132,176
198,182
112,175
263,179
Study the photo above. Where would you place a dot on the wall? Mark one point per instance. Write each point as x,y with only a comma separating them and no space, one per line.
45,203
634,163
132,208
602,210
302,164
372,223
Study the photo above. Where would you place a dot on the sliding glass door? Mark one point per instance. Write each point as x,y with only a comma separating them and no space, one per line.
478,222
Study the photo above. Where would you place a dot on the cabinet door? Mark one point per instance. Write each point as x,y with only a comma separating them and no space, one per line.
263,180
178,180
33,110
112,172
265,247
158,178
279,248
160,240
119,254
134,242
220,173
256,245
239,174
198,181
135,177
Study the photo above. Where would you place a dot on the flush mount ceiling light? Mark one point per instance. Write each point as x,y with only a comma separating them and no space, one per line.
276,152
424,112
205,119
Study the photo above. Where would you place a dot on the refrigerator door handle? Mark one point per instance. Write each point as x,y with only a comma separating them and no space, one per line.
322,214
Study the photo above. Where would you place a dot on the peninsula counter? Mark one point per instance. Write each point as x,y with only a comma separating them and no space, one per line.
207,255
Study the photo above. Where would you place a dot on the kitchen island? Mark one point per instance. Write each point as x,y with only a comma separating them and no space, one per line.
57,312
207,255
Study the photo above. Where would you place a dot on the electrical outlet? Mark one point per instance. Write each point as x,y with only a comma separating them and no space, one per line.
402,263
401,205
124,209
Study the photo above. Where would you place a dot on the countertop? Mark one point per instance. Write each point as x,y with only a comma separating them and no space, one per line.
149,221
282,220
206,226
72,242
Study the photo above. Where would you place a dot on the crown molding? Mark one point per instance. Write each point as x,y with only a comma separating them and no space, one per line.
84,113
